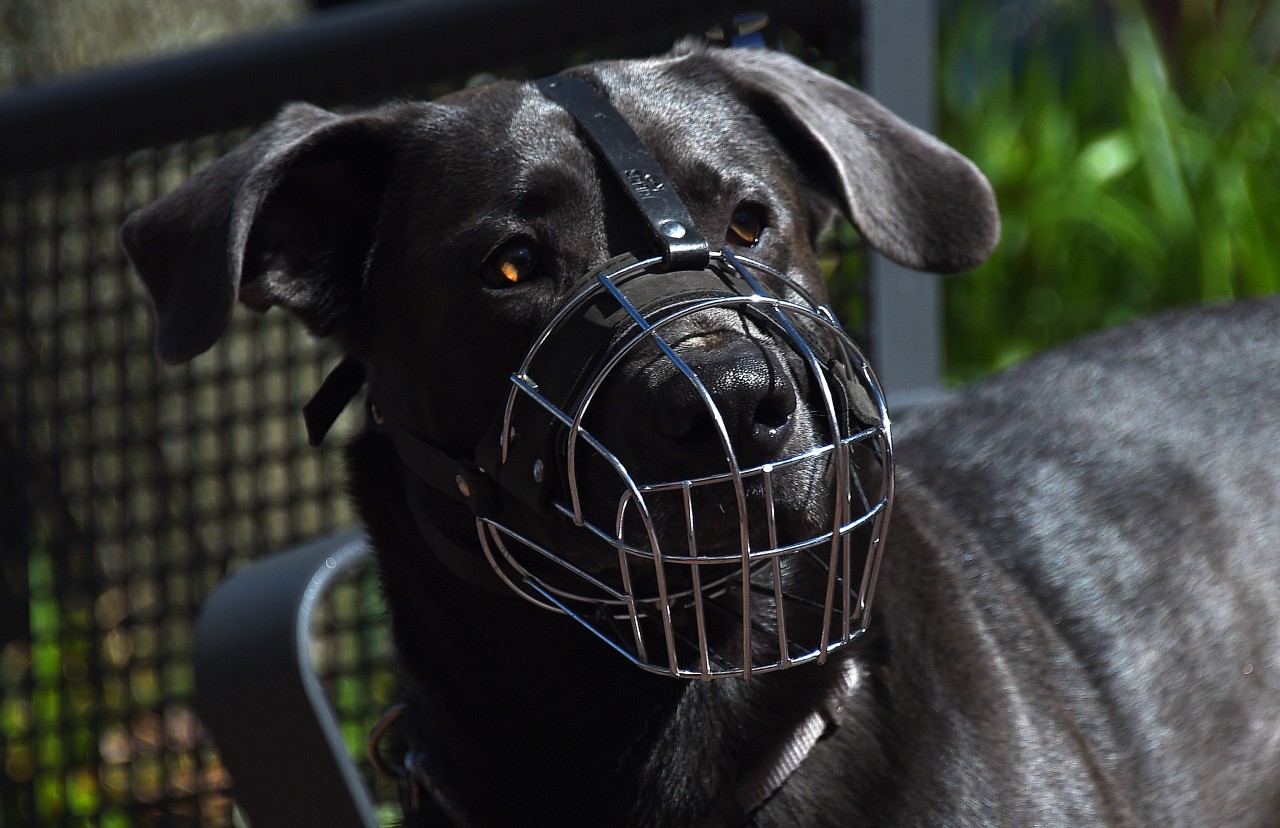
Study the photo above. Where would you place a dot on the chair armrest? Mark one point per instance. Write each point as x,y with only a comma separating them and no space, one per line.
258,695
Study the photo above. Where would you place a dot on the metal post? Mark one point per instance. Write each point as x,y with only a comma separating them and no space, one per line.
906,306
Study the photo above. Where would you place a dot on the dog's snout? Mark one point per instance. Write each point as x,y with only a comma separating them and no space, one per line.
751,390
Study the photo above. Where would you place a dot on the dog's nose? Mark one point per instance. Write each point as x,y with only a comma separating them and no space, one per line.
752,391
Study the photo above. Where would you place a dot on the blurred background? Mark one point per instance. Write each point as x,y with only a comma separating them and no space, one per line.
1133,147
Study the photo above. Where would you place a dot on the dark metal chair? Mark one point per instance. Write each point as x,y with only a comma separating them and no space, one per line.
258,693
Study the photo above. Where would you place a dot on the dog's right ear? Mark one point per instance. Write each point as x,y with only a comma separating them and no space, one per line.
288,218
912,197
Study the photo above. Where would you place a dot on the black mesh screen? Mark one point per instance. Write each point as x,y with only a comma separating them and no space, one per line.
138,488
131,489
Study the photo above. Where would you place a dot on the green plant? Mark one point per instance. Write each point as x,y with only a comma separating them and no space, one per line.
1135,170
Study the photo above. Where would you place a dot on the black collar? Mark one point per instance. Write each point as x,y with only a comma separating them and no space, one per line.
422,793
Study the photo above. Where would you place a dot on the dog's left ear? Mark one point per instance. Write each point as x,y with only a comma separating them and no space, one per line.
912,197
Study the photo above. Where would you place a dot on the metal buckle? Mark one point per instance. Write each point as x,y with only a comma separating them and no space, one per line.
408,788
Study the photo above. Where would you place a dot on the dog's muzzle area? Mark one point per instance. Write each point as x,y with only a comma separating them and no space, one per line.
708,458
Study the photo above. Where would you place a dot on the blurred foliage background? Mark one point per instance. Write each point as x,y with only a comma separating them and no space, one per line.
1135,151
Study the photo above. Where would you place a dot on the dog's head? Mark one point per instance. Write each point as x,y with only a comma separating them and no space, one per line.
691,413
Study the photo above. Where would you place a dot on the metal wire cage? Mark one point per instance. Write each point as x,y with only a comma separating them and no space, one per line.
672,599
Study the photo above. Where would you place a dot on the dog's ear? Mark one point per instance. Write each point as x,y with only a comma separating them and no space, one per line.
286,219
912,197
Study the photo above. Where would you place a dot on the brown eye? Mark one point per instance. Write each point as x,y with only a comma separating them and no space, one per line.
745,226
511,264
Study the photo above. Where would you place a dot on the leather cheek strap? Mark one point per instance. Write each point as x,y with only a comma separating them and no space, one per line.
456,477
463,559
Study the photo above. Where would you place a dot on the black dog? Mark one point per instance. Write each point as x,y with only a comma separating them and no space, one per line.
1077,616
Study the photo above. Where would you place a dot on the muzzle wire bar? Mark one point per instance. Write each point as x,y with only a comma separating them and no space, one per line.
668,626
722,431
838,542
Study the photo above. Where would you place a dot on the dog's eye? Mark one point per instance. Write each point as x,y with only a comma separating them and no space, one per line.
745,226
511,264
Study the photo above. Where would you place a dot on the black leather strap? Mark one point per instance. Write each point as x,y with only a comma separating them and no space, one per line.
460,556
458,478
338,389
672,230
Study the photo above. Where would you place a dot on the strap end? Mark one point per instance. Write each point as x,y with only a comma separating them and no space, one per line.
339,388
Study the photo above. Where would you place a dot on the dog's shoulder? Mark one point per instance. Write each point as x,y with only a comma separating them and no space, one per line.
1149,435
1128,485
1195,376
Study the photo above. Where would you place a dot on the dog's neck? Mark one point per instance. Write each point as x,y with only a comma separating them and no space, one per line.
503,690
422,793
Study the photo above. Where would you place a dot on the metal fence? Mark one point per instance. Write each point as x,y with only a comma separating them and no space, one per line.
128,490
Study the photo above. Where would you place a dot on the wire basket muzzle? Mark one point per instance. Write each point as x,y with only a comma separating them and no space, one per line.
737,565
